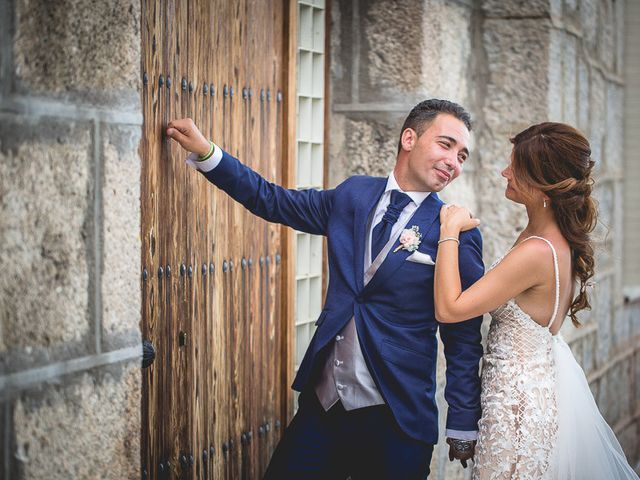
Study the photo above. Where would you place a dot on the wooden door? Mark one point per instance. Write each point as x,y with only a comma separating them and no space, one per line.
216,398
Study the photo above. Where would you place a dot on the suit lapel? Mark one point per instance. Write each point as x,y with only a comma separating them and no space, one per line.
370,198
424,217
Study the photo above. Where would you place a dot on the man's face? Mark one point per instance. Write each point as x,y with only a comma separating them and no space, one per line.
435,158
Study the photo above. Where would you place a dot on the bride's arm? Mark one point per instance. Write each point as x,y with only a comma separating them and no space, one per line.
519,271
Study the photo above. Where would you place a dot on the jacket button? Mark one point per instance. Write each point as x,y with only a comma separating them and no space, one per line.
360,299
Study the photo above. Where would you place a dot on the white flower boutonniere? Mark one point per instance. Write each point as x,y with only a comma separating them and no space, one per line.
409,239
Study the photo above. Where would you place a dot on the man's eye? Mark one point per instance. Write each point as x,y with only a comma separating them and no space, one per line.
445,144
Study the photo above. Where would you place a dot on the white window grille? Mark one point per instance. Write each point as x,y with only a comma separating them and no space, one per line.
310,165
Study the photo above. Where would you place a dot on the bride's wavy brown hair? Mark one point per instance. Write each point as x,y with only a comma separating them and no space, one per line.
556,159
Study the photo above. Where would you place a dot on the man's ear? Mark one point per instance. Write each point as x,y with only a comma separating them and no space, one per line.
408,139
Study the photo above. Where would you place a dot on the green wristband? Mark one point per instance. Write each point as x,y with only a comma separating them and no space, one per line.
202,158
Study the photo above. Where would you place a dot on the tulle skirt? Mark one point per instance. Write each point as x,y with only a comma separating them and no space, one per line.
586,448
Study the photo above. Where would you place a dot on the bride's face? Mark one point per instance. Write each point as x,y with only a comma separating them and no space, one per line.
513,191
517,191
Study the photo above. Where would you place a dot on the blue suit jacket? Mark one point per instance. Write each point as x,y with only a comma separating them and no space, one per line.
394,312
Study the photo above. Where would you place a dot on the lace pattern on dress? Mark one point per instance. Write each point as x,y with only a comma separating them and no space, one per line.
518,427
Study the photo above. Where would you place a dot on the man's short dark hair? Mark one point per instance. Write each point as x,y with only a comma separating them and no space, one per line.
421,116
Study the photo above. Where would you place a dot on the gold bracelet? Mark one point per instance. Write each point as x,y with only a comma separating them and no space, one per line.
449,238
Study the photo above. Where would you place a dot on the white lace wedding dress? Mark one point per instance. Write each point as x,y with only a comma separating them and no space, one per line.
539,420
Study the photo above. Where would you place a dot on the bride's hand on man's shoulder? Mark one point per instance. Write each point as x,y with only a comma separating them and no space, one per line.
457,218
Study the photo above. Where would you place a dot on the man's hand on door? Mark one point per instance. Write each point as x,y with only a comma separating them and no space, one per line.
185,132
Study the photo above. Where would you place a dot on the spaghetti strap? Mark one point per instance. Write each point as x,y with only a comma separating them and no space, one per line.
557,277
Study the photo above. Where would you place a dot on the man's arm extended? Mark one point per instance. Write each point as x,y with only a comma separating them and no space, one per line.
304,210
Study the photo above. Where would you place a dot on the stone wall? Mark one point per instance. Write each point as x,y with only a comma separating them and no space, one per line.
70,124
511,64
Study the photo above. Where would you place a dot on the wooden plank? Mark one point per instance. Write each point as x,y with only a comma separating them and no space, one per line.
226,379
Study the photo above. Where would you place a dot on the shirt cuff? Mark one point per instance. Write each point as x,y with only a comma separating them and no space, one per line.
462,435
208,164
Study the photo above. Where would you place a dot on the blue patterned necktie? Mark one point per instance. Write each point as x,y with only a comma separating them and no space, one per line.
382,230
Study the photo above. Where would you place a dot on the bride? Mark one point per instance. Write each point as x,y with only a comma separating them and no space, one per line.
539,419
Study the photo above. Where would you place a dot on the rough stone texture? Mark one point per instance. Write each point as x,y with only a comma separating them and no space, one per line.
555,75
583,95
362,146
87,429
390,50
632,313
602,235
342,34
606,34
614,140
619,393
45,199
569,79
621,328
84,47
589,353
121,235
446,51
517,57
601,303
619,34
589,21
517,8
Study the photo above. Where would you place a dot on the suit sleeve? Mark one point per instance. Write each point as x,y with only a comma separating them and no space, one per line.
463,345
304,210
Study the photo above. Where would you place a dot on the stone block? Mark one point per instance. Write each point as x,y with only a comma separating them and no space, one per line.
90,49
518,84
621,327
569,79
603,193
606,34
602,312
46,211
589,353
632,314
121,294
391,43
618,404
363,146
602,395
556,78
87,428
598,119
342,44
446,50
589,23
614,138
583,95
619,29
637,383
517,8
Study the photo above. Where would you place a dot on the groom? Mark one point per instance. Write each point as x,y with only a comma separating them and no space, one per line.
367,407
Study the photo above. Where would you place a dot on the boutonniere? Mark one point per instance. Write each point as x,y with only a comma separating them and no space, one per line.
409,239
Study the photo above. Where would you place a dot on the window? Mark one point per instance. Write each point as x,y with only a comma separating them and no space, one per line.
310,165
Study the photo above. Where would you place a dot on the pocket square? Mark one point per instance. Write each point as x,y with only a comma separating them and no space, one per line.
419,257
